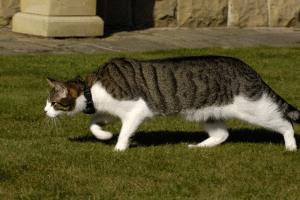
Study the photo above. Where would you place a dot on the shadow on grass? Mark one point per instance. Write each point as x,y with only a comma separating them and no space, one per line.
166,137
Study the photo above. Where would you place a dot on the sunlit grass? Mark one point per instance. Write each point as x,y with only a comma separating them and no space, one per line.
42,158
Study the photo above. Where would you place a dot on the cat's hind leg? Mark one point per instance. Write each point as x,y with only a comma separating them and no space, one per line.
277,123
267,114
289,138
97,122
217,132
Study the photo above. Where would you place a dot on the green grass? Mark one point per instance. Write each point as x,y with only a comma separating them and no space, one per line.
41,160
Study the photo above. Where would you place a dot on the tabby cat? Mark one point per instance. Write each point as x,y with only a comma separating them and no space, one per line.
206,89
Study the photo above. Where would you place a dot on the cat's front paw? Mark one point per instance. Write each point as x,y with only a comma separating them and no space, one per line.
103,135
119,150
120,147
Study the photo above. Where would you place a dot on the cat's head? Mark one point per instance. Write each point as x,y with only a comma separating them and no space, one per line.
65,98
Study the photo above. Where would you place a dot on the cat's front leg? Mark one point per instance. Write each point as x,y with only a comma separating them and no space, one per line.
130,125
96,124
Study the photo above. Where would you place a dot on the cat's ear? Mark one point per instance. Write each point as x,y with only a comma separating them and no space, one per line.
52,81
57,84
78,79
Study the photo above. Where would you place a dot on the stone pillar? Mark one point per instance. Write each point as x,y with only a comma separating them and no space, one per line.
58,18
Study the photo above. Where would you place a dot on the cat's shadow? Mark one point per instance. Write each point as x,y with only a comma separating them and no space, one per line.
156,138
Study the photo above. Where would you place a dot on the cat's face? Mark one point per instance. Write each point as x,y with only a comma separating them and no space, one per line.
65,98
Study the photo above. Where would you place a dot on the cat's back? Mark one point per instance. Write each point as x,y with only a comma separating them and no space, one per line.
171,84
208,62
208,66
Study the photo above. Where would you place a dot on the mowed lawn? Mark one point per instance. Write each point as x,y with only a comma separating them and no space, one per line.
42,158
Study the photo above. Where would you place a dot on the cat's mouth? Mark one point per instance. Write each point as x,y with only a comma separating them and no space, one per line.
53,113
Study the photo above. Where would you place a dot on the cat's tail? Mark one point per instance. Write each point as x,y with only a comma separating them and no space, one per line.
289,112
293,114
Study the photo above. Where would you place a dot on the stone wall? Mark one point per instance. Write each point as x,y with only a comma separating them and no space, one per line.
136,14
7,9
247,13
283,12
273,13
195,13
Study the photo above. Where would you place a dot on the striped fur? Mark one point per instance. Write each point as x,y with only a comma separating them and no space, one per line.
174,84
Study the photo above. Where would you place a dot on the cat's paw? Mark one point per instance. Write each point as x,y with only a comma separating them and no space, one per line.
291,148
198,146
121,147
192,146
100,134
103,135
119,150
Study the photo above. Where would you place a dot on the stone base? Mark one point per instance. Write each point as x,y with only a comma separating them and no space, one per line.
57,26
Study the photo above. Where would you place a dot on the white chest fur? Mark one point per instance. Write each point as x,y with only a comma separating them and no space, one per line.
104,102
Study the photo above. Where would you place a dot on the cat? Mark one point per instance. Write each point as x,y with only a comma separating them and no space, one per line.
206,89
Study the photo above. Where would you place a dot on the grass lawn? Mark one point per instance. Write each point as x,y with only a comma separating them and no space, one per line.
42,158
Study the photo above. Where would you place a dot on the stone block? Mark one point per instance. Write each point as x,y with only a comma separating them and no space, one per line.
59,7
195,13
165,13
248,13
57,26
284,13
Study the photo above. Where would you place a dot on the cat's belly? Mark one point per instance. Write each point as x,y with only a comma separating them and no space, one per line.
242,108
208,113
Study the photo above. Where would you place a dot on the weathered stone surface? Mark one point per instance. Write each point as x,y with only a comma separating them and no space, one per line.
247,13
165,13
59,7
57,26
195,13
284,13
7,9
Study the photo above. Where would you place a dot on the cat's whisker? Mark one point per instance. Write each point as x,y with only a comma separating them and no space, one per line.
53,124
57,124
48,122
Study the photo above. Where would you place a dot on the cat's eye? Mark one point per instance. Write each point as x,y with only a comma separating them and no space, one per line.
52,103
64,104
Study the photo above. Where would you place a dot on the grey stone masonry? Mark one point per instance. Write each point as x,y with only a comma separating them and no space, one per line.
185,13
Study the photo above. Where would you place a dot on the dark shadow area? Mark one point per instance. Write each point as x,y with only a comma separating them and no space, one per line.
125,15
167,137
